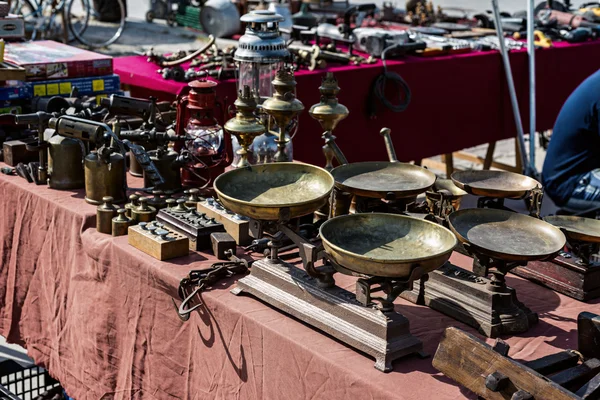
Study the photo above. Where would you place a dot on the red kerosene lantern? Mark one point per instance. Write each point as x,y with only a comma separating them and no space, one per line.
207,150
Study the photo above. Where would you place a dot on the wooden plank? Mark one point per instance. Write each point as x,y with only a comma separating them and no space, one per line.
463,155
468,361
436,165
588,330
449,161
489,155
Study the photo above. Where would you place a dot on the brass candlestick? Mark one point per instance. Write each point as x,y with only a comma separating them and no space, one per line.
329,113
244,126
283,107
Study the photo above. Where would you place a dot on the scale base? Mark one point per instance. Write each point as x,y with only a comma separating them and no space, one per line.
465,297
565,275
335,311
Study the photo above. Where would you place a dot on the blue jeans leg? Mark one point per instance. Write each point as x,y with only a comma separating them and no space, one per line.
586,195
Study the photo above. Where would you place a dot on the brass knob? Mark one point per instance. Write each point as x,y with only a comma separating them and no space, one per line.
143,204
133,198
107,199
181,205
171,203
121,217
143,225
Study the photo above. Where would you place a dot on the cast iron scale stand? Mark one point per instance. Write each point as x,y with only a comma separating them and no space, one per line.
474,298
575,272
357,245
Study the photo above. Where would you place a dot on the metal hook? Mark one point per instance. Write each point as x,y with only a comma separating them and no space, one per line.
182,311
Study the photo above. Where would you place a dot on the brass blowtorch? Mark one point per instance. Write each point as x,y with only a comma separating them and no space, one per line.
105,171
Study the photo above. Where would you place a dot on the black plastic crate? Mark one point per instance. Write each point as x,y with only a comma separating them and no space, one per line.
24,383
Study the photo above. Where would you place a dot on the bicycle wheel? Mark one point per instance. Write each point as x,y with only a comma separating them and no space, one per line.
97,33
78,16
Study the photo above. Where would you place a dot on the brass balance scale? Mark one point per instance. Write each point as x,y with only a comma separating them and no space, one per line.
499,240
575,272
386,252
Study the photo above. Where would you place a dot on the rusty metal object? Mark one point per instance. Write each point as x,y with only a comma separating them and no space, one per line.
507,235
383,179
386,244
164,160
157,241
143,213
497,184
104,215
274,192
15,151
120,223
577,228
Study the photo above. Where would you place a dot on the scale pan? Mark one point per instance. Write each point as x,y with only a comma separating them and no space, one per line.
377,179
274,192
386,245
500,184
577,228
506,235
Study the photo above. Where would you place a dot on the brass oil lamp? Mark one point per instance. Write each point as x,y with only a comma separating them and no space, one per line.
329,113
244,126
283,107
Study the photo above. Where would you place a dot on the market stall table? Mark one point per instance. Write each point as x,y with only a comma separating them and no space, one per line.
99,315
458,101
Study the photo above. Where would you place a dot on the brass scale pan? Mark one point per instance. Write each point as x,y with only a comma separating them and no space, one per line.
371,244
498,184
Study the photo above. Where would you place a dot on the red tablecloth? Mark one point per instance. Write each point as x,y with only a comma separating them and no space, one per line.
98,314
457,101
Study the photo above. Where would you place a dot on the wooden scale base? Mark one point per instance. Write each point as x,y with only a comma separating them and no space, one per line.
467,297
335,311
565,275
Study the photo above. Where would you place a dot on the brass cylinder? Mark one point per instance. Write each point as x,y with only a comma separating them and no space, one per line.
104,176
133,203
65,165
164,161
104,215
143,213
120,224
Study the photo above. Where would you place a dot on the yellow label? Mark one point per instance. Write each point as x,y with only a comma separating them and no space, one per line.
65,88
52,89
39,90
98,85
99,98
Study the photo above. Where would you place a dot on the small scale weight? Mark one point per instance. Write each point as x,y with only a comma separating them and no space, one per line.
158,241
189,222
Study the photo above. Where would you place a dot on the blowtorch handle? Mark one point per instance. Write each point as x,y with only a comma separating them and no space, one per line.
77,129
127,105
33,118
389,145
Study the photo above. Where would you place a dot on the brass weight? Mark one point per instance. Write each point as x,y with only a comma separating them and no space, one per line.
157,201
171,203
181,207
133,203
193,199
104,215
143,213
120,223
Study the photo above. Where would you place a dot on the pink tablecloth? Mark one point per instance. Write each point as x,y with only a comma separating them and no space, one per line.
98,314
457,101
